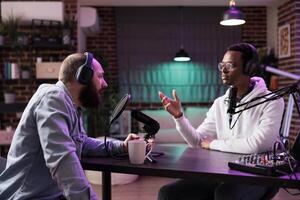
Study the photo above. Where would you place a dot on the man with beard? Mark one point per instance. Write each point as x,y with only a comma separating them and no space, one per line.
253,131
43,161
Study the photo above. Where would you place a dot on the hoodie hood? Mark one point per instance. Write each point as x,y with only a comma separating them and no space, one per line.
259,89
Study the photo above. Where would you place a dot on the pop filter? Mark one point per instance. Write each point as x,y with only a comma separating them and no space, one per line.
116,113
119,108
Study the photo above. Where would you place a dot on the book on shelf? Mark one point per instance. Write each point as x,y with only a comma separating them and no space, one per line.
11,70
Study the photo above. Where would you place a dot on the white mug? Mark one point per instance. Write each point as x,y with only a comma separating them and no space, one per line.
137,151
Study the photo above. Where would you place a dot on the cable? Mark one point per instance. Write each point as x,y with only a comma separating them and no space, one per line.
246,104
238,117
241,111
293,194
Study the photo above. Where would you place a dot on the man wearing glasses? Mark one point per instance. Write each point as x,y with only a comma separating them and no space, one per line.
252,131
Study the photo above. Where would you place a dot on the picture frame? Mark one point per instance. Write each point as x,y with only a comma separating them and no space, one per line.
284,42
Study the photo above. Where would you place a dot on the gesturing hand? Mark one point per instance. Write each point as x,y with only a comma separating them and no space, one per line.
173,106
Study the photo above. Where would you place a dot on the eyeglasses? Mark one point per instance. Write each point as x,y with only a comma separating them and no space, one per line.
228,66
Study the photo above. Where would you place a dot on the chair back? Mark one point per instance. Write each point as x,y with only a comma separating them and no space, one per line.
270,193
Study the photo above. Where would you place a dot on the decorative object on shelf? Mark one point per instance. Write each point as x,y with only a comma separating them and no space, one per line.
25,71
284,41
11,25
22,39
9,97
67,30
39,59
2,34
233,16
181,55
66,36
47,32
47,70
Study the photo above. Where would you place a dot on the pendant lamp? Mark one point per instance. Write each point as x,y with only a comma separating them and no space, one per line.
181,55
233,16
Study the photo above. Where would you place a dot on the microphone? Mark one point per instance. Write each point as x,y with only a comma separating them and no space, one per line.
151,126
261,68
232,102
279,72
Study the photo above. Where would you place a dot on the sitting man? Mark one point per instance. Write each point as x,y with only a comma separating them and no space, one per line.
43,161
252,131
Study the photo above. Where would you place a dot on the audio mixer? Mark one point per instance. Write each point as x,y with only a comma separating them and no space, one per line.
263,164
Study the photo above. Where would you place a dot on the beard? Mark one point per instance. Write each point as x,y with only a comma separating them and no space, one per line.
89,96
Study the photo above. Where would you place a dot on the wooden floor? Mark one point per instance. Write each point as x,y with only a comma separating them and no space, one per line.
146,188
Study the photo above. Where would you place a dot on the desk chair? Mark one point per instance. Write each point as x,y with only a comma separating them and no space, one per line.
2,164
270,193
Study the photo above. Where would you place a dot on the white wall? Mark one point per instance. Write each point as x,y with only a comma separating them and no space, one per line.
272,21
173,2
272,24
29,10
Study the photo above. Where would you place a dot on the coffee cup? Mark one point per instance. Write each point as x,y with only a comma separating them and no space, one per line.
137,151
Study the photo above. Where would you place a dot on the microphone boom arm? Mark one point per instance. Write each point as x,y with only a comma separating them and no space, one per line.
291,89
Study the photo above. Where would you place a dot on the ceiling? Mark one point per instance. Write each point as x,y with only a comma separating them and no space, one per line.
178,2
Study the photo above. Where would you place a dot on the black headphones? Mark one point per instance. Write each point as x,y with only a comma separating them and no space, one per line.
251,66
85,72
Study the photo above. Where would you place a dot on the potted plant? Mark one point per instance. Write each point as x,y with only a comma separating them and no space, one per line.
10,24
25,71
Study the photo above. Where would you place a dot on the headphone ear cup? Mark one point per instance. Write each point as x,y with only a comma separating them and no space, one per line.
84,75
251,68
85,72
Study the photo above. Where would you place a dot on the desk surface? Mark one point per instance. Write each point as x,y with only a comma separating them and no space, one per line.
184,162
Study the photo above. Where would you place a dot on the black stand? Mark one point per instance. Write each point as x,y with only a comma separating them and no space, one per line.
291,89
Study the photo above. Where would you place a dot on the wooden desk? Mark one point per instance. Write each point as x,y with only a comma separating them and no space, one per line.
183,162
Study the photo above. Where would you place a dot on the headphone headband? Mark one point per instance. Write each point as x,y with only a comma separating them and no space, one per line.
85,72
251,65
88,59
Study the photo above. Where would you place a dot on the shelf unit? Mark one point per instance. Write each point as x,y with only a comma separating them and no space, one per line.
25,88
58,47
